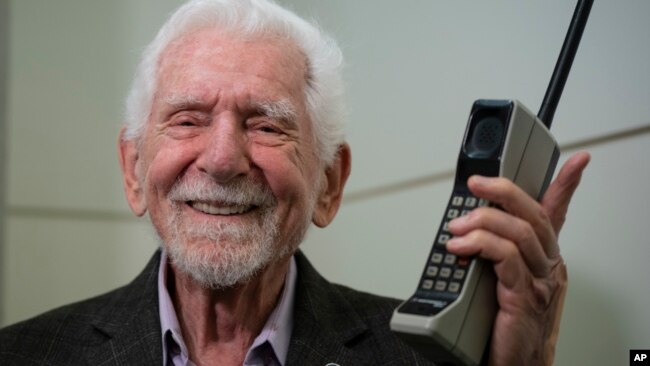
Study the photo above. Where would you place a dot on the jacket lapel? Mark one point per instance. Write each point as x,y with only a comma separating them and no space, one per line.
325,323
325,327
131,323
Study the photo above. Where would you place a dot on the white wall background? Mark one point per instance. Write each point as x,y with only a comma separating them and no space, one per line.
414,68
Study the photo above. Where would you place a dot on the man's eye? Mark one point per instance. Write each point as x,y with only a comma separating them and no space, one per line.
263,127
268,129
185,123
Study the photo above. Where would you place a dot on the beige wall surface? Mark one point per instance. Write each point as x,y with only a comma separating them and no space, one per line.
4,49
69,233
412,69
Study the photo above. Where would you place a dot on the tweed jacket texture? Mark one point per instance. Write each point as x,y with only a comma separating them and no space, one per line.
333,324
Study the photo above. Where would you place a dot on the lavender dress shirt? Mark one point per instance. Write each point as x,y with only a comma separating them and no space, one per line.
269,348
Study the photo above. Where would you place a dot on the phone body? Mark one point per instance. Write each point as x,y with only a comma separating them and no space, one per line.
449,318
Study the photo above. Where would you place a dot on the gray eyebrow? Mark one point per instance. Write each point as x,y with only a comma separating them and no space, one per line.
281,109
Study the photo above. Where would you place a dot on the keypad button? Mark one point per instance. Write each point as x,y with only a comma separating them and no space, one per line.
440,285
452,213
465,212
445,226
459,274
454,287
432,271
457,201
450,259
427,284
463,262
436,258
482,202
445,272
443,239
470,202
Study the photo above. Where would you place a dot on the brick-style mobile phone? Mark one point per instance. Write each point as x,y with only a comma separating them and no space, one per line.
449,318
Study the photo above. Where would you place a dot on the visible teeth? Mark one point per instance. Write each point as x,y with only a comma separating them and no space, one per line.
220,210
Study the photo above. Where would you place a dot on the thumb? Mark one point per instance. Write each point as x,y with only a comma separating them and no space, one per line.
556,199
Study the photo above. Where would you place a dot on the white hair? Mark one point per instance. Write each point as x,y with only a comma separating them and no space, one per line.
251,18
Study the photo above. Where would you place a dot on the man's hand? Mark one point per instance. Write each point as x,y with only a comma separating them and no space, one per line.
521,241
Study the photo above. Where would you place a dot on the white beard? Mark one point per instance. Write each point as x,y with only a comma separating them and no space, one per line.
225,255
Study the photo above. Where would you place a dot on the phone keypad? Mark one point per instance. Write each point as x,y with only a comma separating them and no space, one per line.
452,213
450,259
454,287
440,285
432,271
446,272
436,258
443,239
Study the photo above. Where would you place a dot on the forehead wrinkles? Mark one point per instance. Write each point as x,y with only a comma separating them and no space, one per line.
189,65
181,101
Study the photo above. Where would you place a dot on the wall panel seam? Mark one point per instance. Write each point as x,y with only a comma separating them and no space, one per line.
55,213
382,190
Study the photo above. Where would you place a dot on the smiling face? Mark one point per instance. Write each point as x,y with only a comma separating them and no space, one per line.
227,166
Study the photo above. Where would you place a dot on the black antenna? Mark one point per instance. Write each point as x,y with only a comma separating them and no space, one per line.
564,62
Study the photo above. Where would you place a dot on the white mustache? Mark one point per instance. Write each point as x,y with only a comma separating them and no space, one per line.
239,192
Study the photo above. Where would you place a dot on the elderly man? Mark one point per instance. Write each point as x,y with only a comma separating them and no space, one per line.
233,145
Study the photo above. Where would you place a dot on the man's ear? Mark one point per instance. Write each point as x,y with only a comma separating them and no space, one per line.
133,189
331,194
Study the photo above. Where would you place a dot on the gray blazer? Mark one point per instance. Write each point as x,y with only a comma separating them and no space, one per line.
333,324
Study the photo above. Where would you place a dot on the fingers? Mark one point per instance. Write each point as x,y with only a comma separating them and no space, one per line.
484,224
521,241
558,196
508,264
517,203
522,236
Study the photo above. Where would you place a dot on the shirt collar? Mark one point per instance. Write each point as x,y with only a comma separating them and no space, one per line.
276,331
173,345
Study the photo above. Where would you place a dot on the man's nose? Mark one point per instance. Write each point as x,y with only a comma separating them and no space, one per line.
224,154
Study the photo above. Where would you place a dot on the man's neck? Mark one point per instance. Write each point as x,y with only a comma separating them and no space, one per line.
222,324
